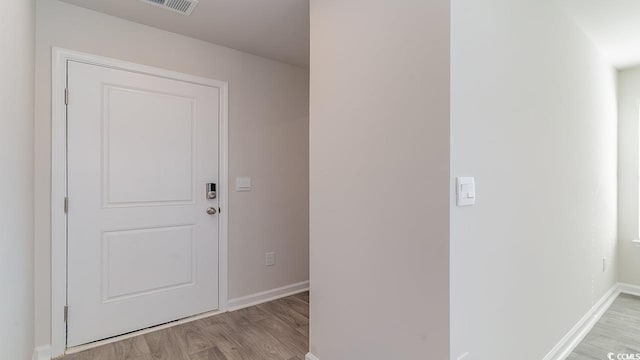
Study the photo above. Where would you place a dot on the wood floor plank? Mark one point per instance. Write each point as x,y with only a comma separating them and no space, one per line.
297,304
265,346
227,341
272,331
288,336
163,346
617,331
210,354
191,337
304,330
232,349
253,313
304,296
131,349
283,311
258,341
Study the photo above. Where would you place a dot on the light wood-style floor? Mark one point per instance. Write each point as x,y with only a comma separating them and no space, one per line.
618,332
278,330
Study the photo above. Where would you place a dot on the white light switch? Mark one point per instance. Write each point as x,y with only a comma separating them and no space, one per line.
243,184
466,191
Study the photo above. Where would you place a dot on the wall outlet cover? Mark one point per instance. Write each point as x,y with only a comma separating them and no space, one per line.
270,258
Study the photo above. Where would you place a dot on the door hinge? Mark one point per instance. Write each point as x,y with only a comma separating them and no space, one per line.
66,96
66,313
66,205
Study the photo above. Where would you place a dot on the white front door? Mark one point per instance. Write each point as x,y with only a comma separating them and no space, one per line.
142,248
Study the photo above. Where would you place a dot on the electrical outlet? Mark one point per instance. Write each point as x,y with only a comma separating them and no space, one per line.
270,258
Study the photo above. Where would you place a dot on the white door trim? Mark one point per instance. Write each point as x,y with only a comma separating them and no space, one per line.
59,178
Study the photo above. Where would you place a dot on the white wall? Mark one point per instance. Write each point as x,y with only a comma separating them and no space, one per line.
268,115
628,160
379,131
17,28
534,120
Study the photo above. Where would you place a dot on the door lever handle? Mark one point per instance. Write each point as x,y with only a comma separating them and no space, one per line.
211,211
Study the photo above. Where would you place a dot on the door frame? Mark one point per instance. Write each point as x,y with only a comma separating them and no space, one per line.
60,57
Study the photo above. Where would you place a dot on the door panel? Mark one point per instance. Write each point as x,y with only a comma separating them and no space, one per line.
131,115
142,250
171,265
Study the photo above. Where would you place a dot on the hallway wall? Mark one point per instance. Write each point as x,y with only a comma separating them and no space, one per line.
17,32
534,120
379,121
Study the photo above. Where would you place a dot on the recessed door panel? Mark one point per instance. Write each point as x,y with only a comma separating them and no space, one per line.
152,136
139,262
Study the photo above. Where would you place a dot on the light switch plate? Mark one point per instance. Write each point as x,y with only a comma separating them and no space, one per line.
466,191
243,184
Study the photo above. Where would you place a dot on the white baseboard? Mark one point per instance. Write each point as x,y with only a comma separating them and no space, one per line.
265,296
42,353
310,356
629,289
582,328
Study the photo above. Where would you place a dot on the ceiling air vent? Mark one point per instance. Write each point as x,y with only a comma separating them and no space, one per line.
181,6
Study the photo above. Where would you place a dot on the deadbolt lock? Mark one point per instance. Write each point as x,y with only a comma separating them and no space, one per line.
211,191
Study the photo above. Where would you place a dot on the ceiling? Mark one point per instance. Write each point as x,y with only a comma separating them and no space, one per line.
614,26
276,29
